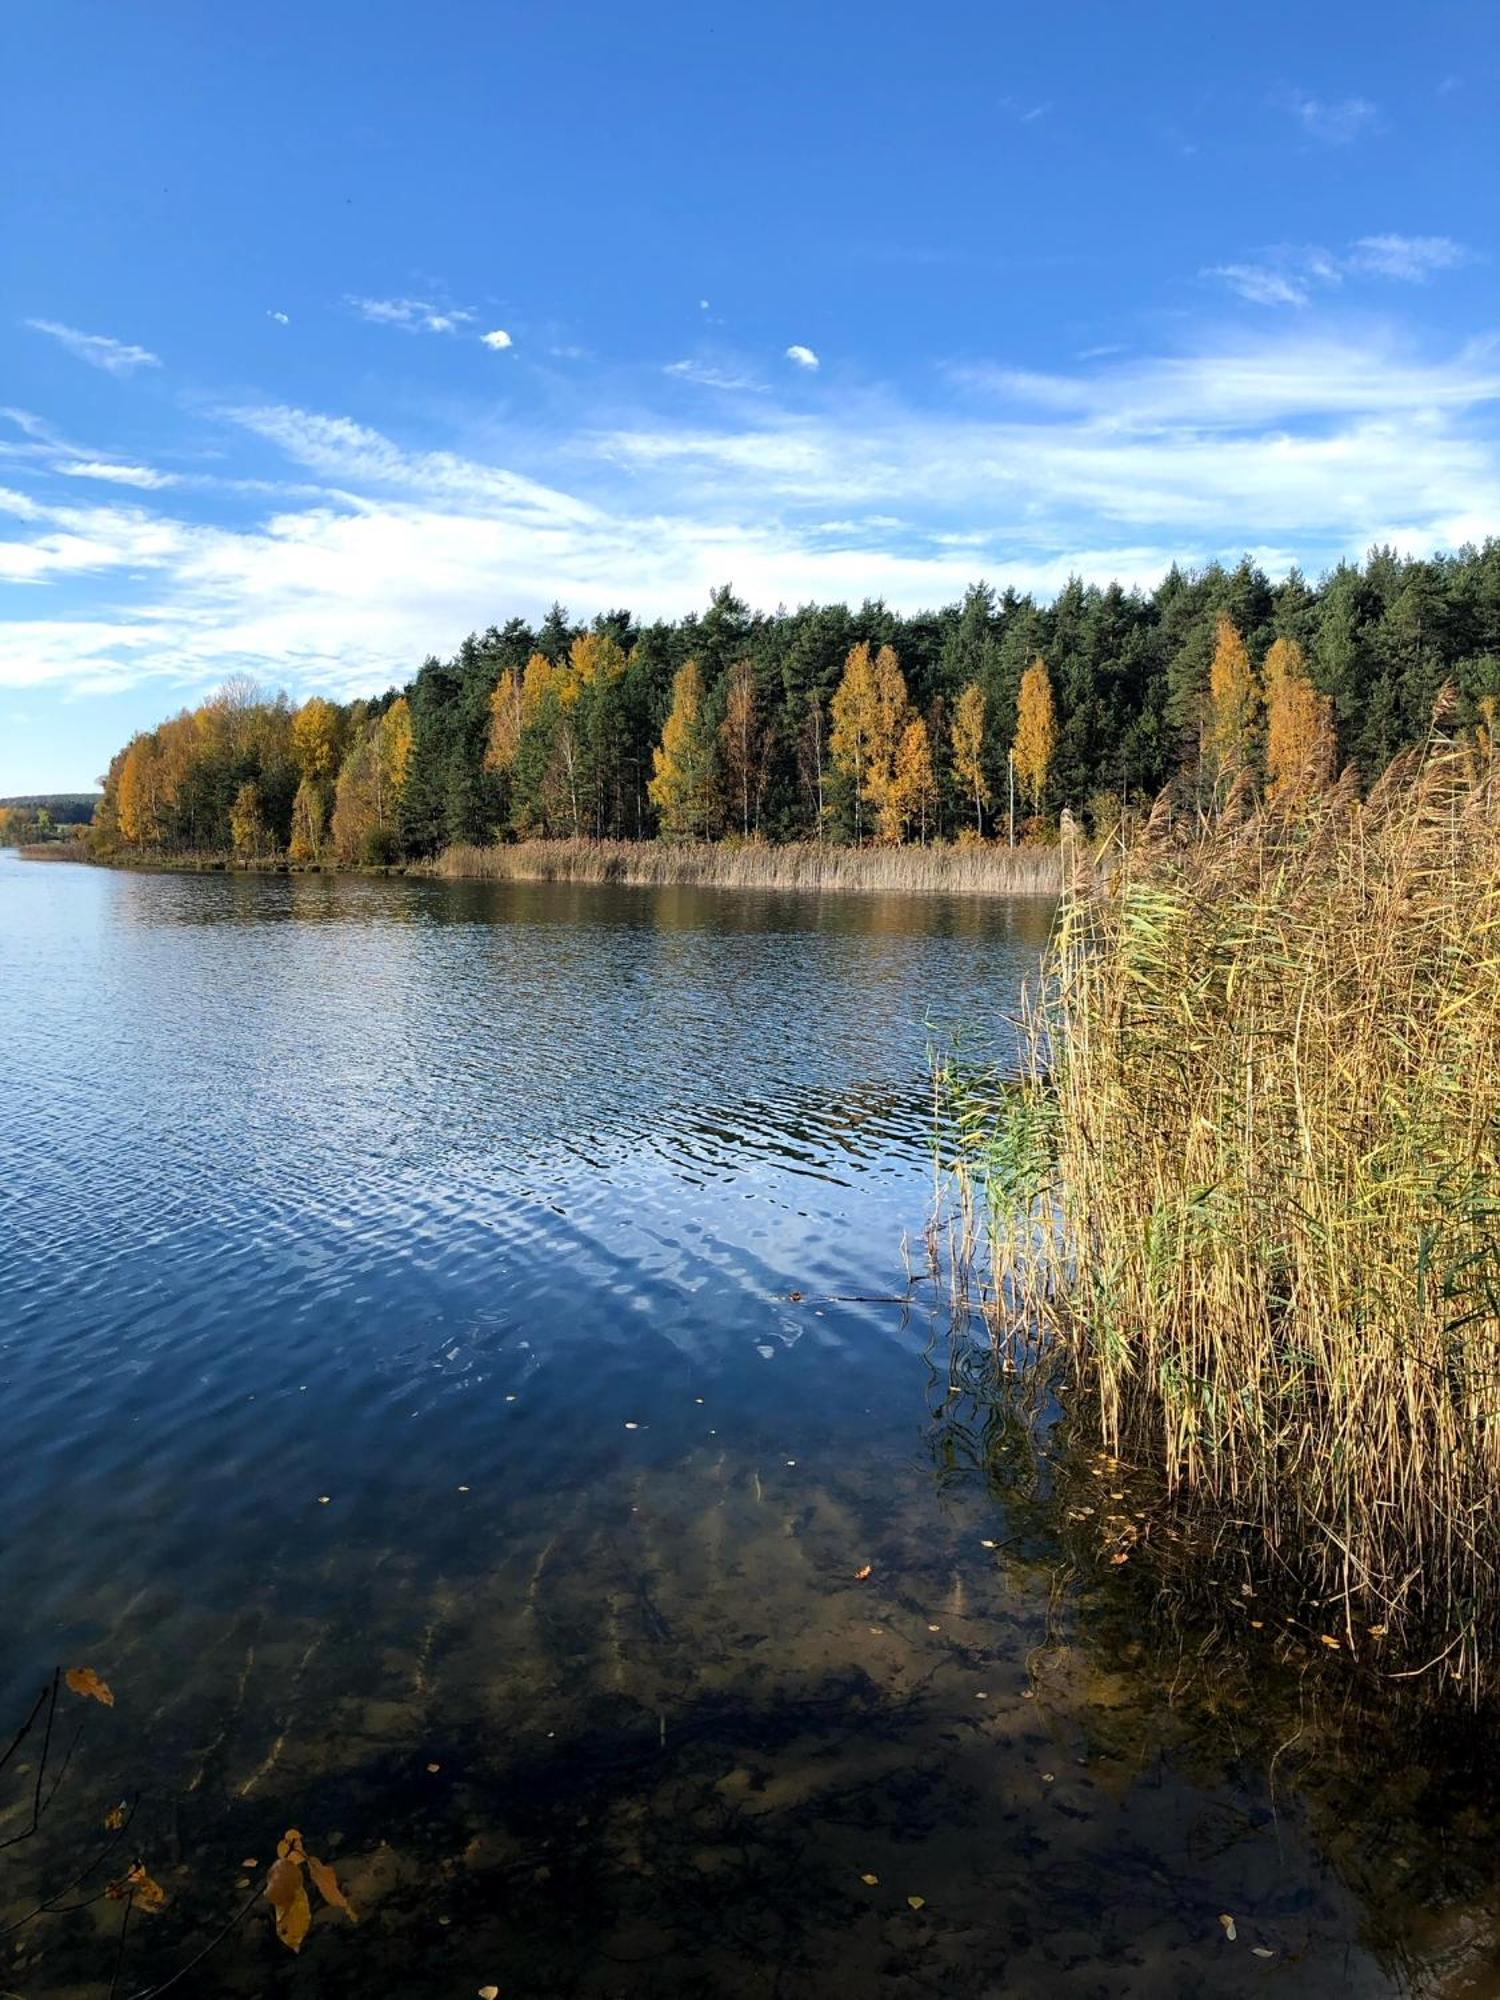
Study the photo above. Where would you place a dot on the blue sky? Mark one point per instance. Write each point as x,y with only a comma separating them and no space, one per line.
333,332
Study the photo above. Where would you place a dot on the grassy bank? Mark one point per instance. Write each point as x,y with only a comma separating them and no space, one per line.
1251,1187
965,871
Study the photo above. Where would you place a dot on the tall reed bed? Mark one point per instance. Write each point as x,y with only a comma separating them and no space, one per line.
959,870
1251,1184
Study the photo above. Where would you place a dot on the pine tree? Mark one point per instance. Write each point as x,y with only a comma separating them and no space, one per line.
1036,732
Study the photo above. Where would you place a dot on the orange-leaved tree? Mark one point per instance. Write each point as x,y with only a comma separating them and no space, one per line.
1301,746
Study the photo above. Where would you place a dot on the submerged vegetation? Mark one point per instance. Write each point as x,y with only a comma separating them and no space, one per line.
983,721
1249,1184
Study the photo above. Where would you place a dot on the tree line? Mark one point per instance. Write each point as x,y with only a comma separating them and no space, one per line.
979,721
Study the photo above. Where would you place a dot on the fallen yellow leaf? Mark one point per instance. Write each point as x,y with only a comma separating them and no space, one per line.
861,1574
328,1886
1229,1930
490,1992
114,1819
870,1881
917,1902
84,1681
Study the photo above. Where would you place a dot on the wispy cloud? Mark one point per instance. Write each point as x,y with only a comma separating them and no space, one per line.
1025,111
113,474
1289,274
802,356
411,315
281,318
708,375
1411,258
1331,121
115,357
1261,284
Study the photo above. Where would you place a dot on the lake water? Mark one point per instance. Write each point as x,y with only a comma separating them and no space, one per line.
457,1356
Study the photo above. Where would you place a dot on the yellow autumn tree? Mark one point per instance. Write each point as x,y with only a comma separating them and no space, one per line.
682,785
1301,746
892,713
744,741
309,821
855,715
317,738
1036,732
140,794
910,795
247,822
396,740
967,738
506,718
1234,704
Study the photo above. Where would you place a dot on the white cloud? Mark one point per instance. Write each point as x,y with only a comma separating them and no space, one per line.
116,357
1289,274
708,376
803,356
1262,285
499,340
1410,258
281,318
411,315
1303,448
1331,122
144,476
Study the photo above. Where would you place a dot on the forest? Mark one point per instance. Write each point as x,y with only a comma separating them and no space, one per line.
981,721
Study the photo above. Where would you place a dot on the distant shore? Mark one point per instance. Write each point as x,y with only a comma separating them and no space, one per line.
805,866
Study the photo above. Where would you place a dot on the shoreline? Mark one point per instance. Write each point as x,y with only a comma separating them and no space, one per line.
805,867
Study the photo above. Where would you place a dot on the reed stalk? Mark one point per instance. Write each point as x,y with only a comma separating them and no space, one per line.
1250,1184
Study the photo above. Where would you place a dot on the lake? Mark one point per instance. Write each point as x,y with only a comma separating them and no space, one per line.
462,1347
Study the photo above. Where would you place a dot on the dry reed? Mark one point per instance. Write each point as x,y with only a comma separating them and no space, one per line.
1251,1184
959,870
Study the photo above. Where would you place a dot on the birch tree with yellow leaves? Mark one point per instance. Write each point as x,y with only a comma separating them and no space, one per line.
1036,732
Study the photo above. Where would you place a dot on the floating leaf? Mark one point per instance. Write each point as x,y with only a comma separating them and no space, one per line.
328,1887
84,1681
139,1885
287,1894
1329,1641
1229,1930
282,1880
1261,1951
870,1881
917,1902
489,1993
114,1819
295,1921
861,1574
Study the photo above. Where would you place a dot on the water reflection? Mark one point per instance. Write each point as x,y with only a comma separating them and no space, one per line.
452,1326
